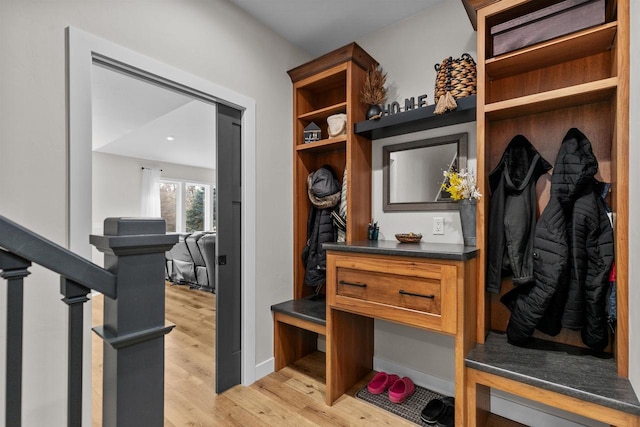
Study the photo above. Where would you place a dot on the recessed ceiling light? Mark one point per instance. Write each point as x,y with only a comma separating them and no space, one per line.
171,138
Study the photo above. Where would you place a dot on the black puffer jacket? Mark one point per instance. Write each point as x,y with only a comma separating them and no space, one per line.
512,216
573,251
324,194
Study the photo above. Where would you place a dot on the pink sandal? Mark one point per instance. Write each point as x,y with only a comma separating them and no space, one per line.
381,382
401,389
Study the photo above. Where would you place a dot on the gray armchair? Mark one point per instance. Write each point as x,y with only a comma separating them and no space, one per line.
192,261
183,267
207,246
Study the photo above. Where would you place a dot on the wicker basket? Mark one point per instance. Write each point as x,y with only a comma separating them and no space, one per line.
409,237
456,76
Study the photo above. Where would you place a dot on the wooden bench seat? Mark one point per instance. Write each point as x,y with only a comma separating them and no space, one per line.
297,324
562,376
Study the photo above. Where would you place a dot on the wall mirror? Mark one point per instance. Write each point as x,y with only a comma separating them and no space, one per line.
412,173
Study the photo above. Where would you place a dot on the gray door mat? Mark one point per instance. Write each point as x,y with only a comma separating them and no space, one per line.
410,409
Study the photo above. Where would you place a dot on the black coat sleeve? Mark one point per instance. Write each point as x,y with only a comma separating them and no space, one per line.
600,253
550,260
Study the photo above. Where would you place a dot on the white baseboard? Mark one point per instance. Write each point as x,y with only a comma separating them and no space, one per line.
265,368
512,407
436,384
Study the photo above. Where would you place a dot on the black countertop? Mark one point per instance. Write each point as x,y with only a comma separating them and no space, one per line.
418,250
569,370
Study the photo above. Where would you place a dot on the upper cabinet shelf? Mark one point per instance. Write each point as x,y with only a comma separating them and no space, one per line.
573,46
324,144
323,113
552,100
417,120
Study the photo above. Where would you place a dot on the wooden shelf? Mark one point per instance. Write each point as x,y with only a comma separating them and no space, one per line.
417,120
324,144
586,93
573,46
323,113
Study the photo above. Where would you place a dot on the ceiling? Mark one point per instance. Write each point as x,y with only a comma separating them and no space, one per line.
135,118
320,26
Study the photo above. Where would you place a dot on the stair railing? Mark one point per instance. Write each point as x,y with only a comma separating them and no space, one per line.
132,283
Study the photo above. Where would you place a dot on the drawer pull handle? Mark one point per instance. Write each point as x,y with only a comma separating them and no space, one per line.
402,292
359,285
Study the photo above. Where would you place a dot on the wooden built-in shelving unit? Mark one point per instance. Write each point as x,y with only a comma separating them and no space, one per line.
579,80
325,86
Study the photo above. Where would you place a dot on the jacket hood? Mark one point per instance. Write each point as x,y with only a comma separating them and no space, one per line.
575,167
520,163
323,188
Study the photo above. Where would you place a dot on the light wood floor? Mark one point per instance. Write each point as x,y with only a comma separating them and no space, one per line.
292,397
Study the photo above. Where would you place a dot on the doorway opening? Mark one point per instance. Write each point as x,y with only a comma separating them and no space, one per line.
85,50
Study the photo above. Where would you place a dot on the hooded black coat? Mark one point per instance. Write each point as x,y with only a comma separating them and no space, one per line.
324,193
573,252
512,215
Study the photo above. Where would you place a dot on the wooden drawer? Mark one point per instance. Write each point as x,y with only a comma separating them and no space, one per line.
414,291
393,289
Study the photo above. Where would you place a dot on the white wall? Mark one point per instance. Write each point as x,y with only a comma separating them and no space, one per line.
117,183
117,186
634,201
208,38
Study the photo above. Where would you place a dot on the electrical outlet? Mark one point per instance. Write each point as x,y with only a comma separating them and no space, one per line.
438,225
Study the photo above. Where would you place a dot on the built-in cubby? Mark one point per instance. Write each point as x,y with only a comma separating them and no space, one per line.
541,91
328,85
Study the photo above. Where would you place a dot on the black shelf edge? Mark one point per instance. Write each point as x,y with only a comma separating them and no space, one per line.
417,120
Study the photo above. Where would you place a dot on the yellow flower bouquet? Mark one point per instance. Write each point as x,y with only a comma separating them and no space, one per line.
461,185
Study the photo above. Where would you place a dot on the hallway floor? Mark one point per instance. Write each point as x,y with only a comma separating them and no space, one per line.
292,397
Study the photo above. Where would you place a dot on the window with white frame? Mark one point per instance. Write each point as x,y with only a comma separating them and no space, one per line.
187,206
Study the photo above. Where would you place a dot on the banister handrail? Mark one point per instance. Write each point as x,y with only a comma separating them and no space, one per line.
35,248
133,332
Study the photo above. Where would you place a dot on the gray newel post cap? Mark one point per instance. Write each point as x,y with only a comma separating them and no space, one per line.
128,236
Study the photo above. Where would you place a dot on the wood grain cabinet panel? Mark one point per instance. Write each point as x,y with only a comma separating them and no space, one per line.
391,289
416,292
434,289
